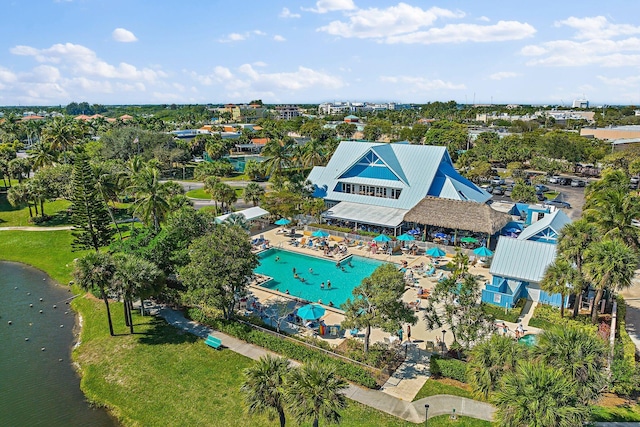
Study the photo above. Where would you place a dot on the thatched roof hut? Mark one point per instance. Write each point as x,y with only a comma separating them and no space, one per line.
457,215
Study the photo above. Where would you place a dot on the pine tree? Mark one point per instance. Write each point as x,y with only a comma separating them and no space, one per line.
89,216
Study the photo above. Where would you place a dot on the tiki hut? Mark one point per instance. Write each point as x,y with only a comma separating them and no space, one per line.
458,215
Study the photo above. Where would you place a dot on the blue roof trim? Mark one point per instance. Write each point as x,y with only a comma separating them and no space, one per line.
387,155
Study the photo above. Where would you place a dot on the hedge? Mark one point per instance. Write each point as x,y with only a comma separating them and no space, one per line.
511,315
287,348
624,376
449,368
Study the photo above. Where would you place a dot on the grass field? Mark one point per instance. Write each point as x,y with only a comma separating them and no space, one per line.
201,194
13,217
443,386
160,375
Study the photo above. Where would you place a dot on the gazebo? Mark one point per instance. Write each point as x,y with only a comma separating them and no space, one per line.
458,215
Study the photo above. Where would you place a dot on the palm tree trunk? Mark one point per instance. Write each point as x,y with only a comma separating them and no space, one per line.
126,313
30,211
42,207
561,305
106,303
367,335
315,422
281,416
594,309
131,318
35,205
577,303
113,218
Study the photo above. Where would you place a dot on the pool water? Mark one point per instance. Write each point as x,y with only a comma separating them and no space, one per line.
529,340
279,265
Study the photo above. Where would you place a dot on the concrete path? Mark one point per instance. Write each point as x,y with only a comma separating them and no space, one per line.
632,298
409,411
32,228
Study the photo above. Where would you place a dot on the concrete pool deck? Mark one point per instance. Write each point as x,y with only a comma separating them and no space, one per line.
412,375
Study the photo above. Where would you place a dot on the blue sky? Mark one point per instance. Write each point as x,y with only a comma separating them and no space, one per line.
205,51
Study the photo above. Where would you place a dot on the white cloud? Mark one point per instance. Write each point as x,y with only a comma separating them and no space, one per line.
249,80
569,53
123,36
7,76
286,13
259,33
381,23
324,6
422,83
597,27
503,75
259,64
459,33
279,38
237,37
484,19
624,82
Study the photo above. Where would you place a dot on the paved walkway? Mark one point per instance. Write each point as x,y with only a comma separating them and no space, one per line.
409,411
32,228
632,298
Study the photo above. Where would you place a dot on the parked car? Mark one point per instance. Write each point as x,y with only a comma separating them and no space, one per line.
488,188
554,179
578,183
541,197
496,180
542,188
558,204
564,181
498,191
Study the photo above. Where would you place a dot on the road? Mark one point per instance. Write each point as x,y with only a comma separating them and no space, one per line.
200,203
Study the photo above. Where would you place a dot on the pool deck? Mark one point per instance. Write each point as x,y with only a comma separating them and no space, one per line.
412,375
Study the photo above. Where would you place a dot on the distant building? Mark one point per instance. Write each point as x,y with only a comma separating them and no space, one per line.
287,112
613,132
580,103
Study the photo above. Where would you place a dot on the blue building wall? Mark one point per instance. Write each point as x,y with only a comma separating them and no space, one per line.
497,292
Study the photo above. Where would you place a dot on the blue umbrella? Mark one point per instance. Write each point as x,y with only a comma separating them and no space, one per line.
440,235
320,233
413,232
311,312
436,252
513,230
382,238
282,221
482,251
405,237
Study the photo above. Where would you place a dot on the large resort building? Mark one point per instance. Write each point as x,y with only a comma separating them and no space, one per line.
379,183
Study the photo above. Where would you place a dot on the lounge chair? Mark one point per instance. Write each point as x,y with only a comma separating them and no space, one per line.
438,277
430,272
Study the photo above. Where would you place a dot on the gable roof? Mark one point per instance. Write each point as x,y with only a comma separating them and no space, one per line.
421,170
458,214
524,260
546,229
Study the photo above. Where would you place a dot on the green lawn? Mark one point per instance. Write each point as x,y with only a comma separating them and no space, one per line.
510,315
12,217
160,375
630,413
434,387
198,193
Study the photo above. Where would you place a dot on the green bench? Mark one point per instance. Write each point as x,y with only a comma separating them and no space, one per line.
214,342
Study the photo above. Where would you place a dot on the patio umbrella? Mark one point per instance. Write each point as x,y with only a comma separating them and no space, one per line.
440,235
413,232
311,312
405,237
382,238
436,252
282,221
469,240
320,233
482,251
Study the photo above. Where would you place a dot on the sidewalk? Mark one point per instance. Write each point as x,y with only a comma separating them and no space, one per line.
408,411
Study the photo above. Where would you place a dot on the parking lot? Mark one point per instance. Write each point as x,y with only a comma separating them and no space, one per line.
572,195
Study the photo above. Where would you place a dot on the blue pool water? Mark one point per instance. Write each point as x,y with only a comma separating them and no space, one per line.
529,340
342,282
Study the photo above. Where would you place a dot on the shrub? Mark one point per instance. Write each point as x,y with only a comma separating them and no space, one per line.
511,315
289,349
625,377
449,368
547,316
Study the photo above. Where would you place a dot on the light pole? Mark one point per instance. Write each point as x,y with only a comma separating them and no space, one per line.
426,415
443,333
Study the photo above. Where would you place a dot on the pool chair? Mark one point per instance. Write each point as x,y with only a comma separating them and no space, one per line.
438,277
430,272
354,332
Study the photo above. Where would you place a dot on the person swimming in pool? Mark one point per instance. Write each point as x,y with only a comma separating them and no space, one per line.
328,284
311,271
322,285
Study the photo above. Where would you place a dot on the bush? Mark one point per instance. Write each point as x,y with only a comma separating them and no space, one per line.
286,348
546,317
625,377
449,368
511,315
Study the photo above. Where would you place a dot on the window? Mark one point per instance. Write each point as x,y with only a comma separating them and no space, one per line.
371,190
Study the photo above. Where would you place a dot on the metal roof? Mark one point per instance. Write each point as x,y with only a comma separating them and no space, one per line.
421,169
524,260
548,226
368,214
249,214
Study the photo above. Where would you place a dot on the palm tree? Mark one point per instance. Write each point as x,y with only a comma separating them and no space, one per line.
612,211
62,134
96,270
107,184
313,153
263,386
556,278
579,354
42,155
490,360
19,196
237,219
278,154
19,168
573,241
151,202
252,193
610,264
314,392
538,395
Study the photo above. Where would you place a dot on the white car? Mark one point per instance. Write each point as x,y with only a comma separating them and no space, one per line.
496,180
554,179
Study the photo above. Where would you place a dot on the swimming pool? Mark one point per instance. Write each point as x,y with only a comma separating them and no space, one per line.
279,264
529,340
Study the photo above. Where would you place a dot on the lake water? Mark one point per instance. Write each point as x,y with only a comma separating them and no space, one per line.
39,387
